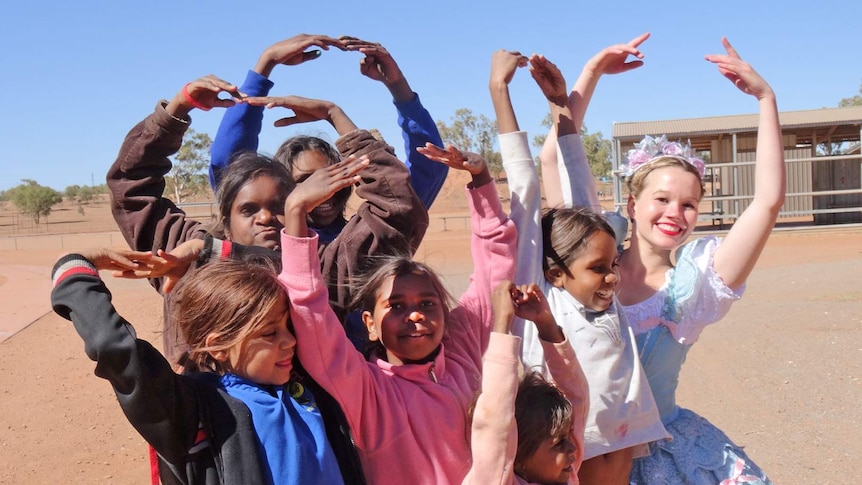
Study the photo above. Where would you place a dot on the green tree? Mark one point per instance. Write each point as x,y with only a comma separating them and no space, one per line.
82,194
598,149
33,199
72,191
854,101
825,148
188,176
598,152
474,133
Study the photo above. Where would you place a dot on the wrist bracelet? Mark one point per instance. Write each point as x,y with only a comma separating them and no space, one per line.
192,101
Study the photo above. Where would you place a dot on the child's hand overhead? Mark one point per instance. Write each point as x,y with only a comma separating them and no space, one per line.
504,64
549,78
292,51
455,158
203,94
503,306
319,187
377,64
740,73
531,304
306,110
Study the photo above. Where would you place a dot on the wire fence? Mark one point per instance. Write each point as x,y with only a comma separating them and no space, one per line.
71,218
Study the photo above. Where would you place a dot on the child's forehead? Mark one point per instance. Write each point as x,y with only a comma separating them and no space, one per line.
407,284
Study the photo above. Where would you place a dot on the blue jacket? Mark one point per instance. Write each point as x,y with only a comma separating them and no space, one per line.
241,125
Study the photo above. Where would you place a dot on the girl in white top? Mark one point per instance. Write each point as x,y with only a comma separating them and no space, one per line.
572,254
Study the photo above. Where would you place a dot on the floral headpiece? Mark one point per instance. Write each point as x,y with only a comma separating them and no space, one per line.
651,148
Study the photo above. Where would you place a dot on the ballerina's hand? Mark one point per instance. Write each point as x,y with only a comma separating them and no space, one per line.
739,72
612,59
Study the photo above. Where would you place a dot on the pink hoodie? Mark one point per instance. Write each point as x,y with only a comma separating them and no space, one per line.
408,421
495,432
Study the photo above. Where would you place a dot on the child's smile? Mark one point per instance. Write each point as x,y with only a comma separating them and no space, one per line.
408,318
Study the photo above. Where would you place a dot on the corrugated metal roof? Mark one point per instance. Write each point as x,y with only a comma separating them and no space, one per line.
737,123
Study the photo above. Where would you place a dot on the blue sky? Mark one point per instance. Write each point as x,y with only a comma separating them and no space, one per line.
78,75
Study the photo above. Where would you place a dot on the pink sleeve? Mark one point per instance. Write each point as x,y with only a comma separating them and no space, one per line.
322,346
567,374
494,433
493,247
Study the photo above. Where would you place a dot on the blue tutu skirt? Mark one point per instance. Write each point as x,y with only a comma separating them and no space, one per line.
699,454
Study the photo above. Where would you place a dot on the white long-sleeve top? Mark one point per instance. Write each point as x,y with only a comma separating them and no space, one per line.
622,411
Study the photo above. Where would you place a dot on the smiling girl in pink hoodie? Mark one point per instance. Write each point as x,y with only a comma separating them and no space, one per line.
407,404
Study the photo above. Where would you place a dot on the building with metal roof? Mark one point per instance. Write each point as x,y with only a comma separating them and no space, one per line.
822,153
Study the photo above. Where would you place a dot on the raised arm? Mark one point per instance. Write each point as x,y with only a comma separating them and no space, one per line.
736,256
160,404
526,199
567,374
390,220
322,345
493,245
148,221
493,434
241,125
316,189
572,184
306,110
503,66
560,360
417,126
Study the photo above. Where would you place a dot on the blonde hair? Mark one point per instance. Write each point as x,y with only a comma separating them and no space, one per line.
636,181
230,299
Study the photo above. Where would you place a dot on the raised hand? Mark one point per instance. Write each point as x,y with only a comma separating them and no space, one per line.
531,304
549,78
613,59
172,266
321,185
455,158
306,110
504,64
203,94
293,51
377,64
120,259
740,73
503,306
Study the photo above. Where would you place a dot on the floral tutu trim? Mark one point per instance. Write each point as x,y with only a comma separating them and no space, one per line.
699,454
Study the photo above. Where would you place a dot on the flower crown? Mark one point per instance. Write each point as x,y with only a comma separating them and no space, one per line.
651,148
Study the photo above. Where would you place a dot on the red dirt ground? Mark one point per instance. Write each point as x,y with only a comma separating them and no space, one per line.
781,374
